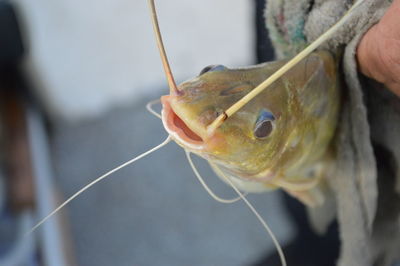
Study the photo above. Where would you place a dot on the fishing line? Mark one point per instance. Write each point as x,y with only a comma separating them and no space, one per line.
206,187
165,142
262,221
149,107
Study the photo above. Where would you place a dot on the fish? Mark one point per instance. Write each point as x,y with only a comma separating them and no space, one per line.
266,126
280,139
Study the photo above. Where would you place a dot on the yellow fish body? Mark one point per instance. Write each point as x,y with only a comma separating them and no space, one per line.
279,139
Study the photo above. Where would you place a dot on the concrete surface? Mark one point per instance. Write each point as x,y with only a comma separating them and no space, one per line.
154,212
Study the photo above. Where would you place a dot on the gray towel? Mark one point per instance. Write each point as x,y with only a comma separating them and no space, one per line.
365,195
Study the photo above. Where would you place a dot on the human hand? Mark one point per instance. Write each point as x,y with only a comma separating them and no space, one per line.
378,53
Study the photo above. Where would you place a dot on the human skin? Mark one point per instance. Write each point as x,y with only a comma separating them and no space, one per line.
378,53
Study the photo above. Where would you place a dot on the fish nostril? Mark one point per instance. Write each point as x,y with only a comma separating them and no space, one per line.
178,92
218,112
205,70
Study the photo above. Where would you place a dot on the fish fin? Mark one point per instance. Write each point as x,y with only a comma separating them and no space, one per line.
313,197
296,183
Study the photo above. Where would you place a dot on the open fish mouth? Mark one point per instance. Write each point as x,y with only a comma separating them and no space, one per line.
178,129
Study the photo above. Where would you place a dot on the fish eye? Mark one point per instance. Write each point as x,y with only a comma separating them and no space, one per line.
264,125
212,68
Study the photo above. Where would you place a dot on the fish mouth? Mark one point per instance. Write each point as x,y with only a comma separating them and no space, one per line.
177,128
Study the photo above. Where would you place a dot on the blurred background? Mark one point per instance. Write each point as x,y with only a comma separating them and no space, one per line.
75,77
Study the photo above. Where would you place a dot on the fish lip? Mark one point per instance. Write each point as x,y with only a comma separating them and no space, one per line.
178,134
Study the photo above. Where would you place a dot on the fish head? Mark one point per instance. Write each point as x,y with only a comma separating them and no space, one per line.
266,134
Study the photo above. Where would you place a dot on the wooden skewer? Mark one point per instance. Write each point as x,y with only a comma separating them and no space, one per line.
163,55
280,72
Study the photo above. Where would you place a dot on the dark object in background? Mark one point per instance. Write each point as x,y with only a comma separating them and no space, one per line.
30,191
15,146
308,248
16,178
11,48
264,50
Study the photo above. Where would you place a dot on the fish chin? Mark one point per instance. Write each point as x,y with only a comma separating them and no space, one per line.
178,129
263,176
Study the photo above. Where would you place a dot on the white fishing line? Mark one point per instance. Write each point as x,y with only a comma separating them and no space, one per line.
262,221
206,187
149,107
165,142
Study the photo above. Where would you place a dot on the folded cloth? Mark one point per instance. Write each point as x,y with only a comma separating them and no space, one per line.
366,180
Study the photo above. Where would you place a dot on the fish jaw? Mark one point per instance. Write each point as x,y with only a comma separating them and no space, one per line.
191,138
177,129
